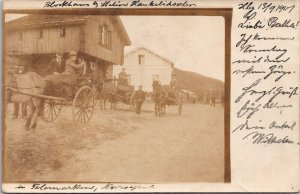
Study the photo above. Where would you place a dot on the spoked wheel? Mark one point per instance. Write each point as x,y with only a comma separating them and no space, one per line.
83,105
51,110
132,102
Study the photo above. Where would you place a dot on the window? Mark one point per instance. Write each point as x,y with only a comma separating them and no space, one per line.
141,59
20,36
41,34
109,40
155,77
100,34
62,32
104,36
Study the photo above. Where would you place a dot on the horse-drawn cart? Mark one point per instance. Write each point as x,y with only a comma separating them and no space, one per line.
54,98
165,95
173,97
118,93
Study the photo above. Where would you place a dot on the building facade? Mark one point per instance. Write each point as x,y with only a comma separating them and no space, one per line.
100,40
143,65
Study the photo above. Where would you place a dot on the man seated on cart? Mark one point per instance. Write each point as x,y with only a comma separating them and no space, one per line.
123,78
174,86
68,77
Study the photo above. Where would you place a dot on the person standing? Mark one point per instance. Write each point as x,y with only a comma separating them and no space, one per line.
139,99
213,100
17,105
223,100
174,85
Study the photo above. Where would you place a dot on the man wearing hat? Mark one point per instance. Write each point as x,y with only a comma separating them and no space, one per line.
70,77
174,83
71,65
122,78
139,99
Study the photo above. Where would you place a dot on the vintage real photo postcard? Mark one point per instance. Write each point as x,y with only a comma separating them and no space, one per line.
150,96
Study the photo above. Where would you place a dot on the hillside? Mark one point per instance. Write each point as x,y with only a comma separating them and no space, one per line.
197,83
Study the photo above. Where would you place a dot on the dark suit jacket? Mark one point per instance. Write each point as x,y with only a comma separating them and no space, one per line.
54,66
140,96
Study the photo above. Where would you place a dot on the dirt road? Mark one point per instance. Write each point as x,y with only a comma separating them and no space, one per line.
120,146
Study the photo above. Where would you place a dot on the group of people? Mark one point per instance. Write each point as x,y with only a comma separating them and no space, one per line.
72,65
56,71
209,99
66,73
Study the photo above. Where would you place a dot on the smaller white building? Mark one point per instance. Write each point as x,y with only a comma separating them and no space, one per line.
142,66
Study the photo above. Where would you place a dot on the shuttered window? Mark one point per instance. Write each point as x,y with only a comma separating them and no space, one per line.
104,36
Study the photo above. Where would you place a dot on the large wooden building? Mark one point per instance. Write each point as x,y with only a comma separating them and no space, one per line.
143,65
34,40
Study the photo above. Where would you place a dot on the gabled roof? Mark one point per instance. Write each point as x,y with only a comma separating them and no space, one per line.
41,20
150,51
34,21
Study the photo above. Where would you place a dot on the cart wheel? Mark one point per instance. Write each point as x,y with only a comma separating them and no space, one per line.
51,110
83,105
132,103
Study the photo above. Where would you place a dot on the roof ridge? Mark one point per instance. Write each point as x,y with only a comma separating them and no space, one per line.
149,50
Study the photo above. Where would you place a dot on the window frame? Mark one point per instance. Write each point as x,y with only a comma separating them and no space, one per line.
104,36
41,33
62,32
20,36
141,59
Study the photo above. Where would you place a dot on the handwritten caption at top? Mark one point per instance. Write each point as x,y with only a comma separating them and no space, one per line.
112,3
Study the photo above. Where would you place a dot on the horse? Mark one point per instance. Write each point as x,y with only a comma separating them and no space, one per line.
28,85
103,91
171,97
159,99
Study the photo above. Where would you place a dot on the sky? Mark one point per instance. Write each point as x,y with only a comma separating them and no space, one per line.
193,43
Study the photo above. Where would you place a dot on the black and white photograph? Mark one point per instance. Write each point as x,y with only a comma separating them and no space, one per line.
114,98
